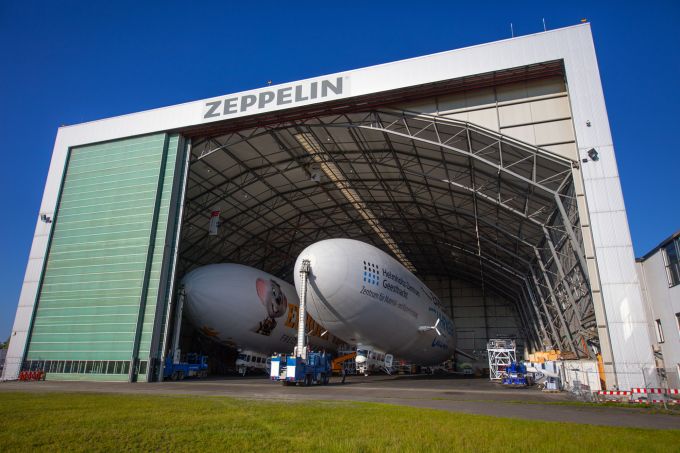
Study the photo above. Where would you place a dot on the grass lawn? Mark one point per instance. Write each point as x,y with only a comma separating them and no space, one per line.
92,422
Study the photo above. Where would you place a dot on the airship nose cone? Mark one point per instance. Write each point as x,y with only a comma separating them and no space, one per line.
196,281
198,285
327,259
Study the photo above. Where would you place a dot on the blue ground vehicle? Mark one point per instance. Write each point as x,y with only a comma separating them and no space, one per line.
196,365
303,366
515,376
316,369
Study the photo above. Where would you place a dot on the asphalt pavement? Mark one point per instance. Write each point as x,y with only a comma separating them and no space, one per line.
471,396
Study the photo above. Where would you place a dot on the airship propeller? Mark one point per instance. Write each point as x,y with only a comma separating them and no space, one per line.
428,328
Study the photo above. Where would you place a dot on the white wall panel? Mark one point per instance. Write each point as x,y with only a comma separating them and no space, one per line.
568,150
544,87
550,109
33,270
523,133
605,199
607,162
451,103
456,116
428,107
39,245
610,233
554,132
487,118
485,97
512,92
514,114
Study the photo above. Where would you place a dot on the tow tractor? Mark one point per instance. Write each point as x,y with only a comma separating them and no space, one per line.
303,366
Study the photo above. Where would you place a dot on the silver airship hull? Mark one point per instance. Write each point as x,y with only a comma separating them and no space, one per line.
244,307
363,295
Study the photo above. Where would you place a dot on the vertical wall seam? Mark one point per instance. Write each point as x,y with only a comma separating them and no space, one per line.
48,246
149,262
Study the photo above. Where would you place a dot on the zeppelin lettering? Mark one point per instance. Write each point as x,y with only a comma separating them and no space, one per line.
302,93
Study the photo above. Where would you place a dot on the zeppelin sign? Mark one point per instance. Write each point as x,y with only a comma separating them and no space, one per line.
275,98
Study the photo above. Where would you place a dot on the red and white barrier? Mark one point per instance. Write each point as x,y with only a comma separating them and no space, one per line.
614,392
633,398
656,391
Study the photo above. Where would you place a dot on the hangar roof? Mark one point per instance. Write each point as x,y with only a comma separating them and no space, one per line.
444,197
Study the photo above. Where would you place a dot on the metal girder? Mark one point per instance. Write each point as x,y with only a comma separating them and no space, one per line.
563,277
556,305
549,319
501,197
529,296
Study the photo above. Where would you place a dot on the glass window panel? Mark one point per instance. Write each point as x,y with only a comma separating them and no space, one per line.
672,262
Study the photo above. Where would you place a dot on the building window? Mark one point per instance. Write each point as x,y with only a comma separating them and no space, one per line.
659,332
672,261
82,366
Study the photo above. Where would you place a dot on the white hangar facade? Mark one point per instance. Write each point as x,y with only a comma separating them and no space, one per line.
489,171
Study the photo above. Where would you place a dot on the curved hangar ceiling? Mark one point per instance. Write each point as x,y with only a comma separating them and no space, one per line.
445,197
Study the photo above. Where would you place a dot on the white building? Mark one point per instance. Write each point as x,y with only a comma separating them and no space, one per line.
659,273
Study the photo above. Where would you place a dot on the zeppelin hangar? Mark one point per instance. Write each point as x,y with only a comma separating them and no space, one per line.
488,171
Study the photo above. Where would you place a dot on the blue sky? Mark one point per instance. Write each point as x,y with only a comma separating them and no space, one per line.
68,62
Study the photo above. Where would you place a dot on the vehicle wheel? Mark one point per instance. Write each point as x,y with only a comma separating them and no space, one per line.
173,376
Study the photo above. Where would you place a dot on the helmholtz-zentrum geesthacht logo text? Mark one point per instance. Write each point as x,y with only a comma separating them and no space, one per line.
371,274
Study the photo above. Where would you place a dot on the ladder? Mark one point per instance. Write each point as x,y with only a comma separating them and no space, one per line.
301,350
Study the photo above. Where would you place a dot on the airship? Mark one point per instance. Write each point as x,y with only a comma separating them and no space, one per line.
365,296
247,308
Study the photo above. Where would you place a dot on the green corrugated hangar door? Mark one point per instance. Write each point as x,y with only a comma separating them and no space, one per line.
97,316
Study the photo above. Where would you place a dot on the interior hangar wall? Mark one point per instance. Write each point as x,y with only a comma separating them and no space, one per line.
477,315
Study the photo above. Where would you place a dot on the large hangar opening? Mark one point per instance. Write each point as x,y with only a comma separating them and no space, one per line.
472,184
